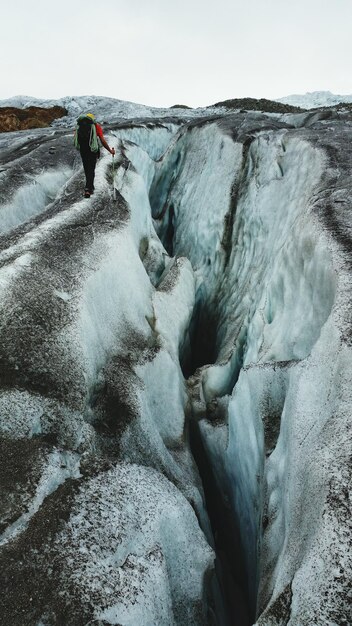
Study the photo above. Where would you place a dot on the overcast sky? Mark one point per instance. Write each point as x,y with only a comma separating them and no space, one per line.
163,52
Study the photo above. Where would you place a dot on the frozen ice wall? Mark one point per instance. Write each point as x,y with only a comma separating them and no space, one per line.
248,212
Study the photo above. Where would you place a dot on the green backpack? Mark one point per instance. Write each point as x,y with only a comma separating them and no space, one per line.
86,134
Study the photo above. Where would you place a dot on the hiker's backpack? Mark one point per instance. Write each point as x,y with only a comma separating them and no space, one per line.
86,134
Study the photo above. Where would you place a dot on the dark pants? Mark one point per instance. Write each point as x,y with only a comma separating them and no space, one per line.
89,160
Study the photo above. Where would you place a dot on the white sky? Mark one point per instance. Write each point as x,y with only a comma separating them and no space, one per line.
163,52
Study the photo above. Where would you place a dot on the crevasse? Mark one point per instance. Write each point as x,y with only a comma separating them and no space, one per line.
264,292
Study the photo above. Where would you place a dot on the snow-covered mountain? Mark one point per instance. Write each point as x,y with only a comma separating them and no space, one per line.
315,99
105,109
175,371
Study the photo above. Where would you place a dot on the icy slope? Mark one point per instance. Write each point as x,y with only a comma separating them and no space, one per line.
84,337
206,312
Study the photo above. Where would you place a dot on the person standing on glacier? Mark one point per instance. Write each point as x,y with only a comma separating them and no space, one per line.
88,134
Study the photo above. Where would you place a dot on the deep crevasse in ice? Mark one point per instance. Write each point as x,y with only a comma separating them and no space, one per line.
97,321
271,296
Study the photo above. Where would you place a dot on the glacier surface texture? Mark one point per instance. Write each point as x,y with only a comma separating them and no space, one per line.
175,371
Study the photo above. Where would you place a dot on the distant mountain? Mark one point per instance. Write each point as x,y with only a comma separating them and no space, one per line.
315,99
105,109
113,110
262,104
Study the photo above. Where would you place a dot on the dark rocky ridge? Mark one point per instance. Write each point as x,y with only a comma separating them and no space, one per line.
261,104
180,106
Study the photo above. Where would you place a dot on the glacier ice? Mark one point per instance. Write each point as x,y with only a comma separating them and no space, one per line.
208,307
32,198
271,293
138,529
59,467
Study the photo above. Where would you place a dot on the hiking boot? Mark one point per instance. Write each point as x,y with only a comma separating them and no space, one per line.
87,194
